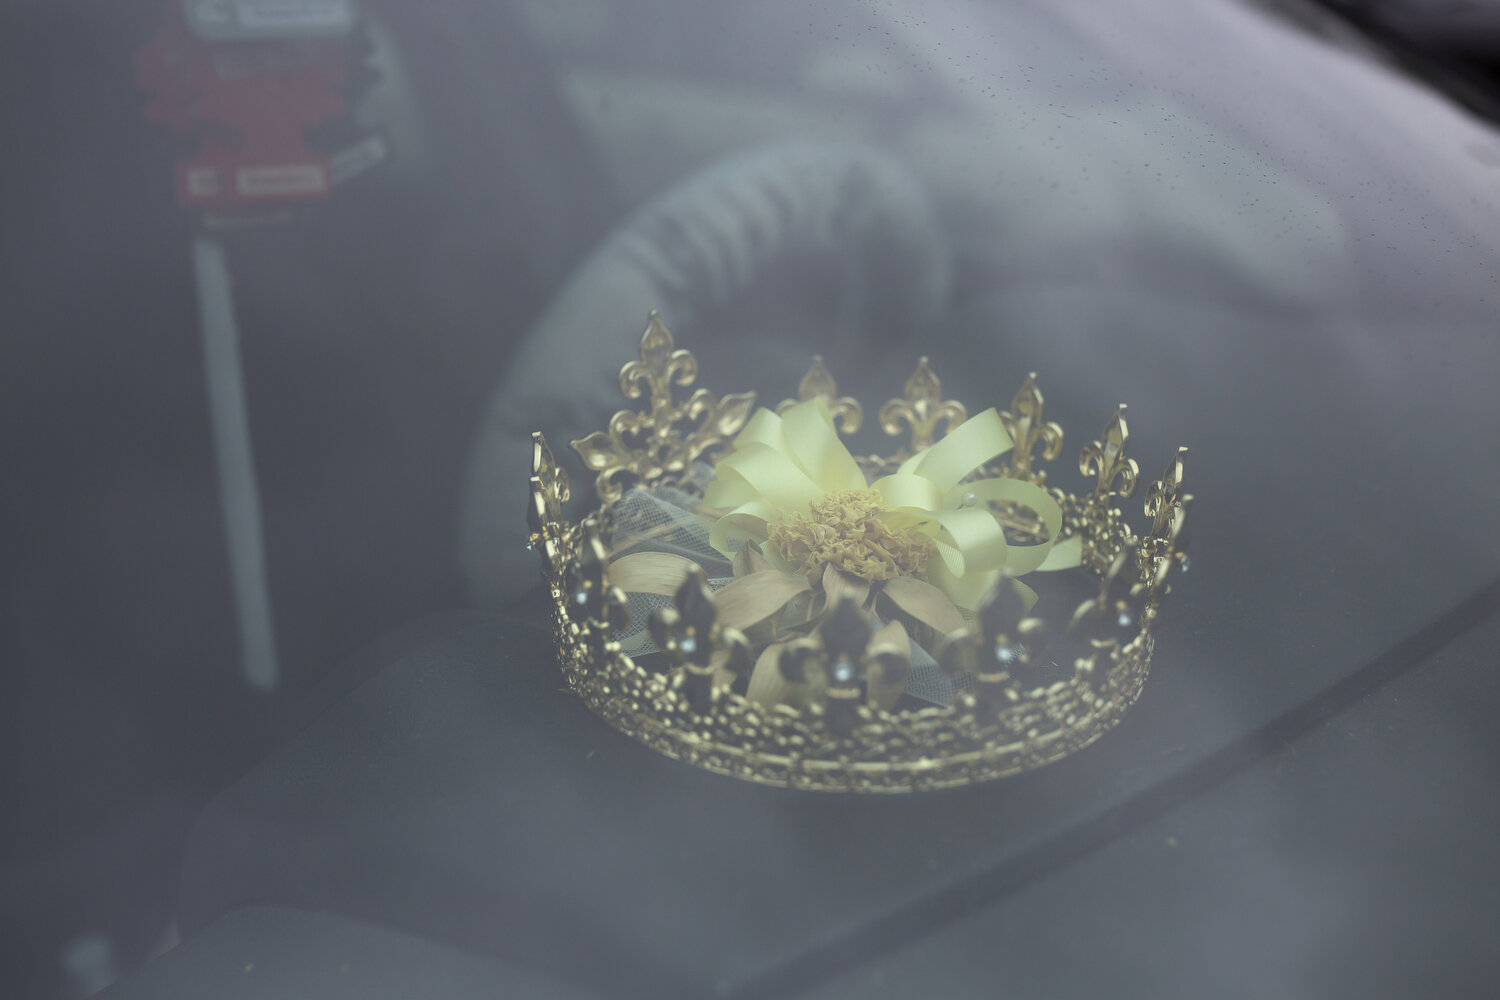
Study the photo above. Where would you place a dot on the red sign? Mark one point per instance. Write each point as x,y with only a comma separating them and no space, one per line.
248,104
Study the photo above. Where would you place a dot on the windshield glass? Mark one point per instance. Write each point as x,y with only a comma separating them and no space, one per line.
290,285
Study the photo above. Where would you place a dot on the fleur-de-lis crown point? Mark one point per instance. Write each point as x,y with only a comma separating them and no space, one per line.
664,441
1105,459
1023,422
921,410
846,412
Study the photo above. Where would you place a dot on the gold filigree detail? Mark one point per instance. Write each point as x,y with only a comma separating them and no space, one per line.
708,655
1039,694
882,751
661,444
586,588
1165,502
1166,543
1006,643
1115,617
1023,422
549,491
1105,459
846,412
921,410
856,663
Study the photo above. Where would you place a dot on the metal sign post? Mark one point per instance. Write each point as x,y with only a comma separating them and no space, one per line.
239,493
244,81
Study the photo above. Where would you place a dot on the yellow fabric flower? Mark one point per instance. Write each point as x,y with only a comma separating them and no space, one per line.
791,487
845,531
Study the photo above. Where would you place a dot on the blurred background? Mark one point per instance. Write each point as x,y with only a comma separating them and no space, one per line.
377,317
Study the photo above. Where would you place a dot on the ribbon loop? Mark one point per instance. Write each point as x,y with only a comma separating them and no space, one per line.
965,448
783,464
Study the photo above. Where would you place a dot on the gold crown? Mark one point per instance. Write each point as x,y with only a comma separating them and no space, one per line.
841,582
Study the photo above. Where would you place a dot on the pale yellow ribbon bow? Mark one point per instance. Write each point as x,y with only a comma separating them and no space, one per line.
782,463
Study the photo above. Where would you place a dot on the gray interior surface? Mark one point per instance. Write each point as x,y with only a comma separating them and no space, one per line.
1300,875
1357,860
276,953
463,795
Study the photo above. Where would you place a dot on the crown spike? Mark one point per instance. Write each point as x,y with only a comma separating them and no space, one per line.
922,409
846,412
1105,458
1023,422
549,491
661,444
1163,505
